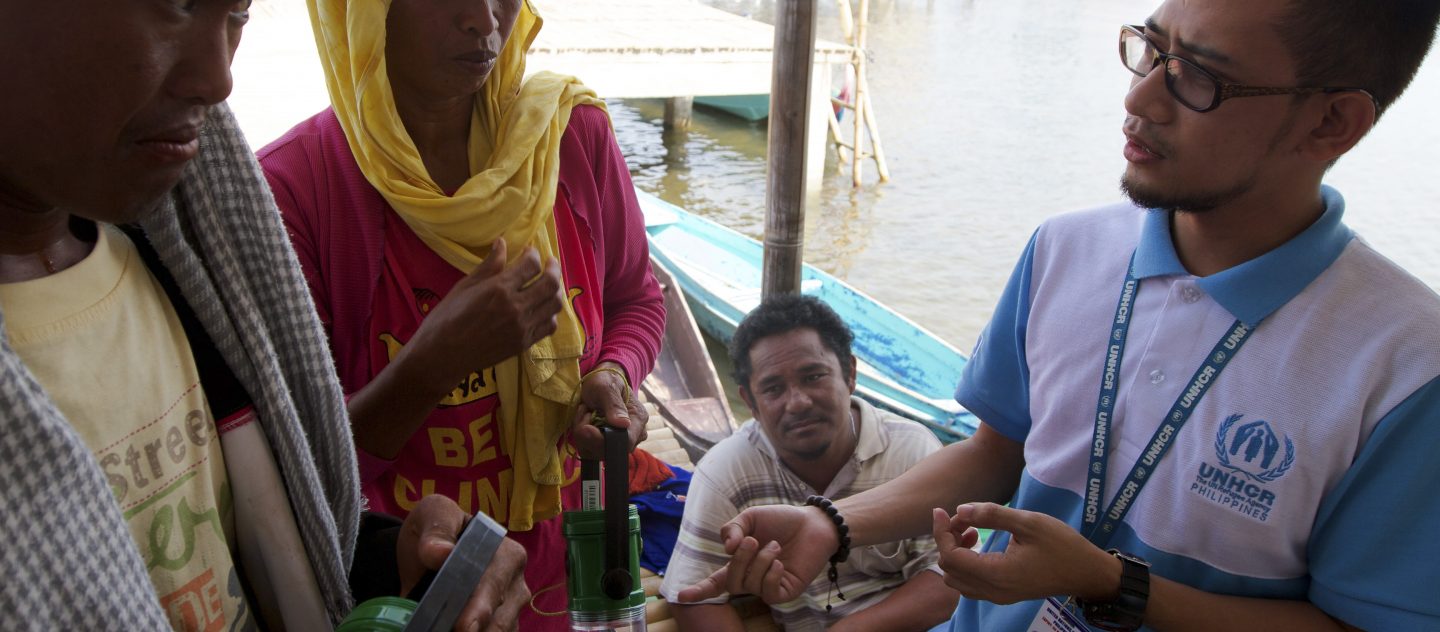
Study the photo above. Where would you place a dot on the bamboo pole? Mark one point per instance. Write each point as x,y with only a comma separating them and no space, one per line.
861,98
839,141
875,148
847,27
789,114
847,21
865,120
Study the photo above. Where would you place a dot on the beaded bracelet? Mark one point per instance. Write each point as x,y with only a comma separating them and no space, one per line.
842,552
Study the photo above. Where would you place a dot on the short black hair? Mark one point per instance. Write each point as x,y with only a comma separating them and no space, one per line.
1377,45
783,313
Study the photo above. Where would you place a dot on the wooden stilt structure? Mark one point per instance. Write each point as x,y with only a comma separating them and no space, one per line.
859,102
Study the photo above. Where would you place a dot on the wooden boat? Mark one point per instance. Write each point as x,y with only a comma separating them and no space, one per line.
756,107
902,367
750,107
684,385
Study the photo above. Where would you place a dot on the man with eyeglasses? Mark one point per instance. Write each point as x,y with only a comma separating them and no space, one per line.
1210,408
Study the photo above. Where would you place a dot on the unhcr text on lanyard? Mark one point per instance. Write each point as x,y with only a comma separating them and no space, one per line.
1100,526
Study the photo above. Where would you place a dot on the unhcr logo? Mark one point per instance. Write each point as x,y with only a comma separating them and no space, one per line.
1250,455
1253,449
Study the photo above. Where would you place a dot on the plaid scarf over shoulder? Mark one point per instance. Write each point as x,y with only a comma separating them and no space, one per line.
67,555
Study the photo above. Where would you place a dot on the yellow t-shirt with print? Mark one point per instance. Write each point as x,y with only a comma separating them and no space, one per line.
103,340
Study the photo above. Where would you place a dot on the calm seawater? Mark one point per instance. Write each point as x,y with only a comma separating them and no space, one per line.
995,115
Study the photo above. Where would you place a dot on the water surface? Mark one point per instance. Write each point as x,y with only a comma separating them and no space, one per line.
996,115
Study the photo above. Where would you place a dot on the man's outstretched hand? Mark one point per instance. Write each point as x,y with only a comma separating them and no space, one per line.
776,551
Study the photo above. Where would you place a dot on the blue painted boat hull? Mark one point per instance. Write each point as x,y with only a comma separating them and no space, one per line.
751,107
902,367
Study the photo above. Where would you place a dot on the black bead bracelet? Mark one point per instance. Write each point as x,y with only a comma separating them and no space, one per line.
843,551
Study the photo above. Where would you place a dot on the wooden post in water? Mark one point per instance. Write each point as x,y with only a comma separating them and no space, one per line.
679,111
785,179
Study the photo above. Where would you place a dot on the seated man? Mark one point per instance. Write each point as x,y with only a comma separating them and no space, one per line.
132,359
810,436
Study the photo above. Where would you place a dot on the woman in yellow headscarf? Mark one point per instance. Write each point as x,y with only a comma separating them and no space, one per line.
475,249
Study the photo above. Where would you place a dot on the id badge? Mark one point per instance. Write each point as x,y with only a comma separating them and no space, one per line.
1055,617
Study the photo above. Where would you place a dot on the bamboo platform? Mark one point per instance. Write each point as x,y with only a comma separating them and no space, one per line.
677,49
661,48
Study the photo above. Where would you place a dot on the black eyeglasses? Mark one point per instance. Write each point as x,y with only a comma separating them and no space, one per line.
1193,86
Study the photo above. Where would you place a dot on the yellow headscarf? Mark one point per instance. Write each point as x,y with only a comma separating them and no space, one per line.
512,195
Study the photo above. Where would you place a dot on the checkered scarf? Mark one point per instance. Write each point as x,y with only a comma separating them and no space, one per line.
66,553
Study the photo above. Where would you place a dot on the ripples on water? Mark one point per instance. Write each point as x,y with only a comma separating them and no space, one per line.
995,115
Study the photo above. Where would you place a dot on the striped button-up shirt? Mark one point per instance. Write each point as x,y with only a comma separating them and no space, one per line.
743,471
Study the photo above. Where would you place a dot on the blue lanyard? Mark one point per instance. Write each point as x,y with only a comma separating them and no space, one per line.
1101,526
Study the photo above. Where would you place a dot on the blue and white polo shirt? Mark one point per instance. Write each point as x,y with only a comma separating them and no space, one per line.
1308,471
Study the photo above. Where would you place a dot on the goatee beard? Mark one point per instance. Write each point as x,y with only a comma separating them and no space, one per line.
814,454
1199,202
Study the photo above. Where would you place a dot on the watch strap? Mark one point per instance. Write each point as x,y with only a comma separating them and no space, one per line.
1126,612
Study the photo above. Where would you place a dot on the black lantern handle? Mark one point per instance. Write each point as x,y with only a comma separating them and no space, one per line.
617,582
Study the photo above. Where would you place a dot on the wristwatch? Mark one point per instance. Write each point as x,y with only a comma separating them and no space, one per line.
1127,612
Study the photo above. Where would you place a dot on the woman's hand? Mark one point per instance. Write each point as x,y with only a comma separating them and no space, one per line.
493,314
605,389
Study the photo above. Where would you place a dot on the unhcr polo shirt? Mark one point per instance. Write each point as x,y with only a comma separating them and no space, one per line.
1305,472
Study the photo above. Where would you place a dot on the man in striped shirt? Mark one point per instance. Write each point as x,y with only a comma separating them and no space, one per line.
810,436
